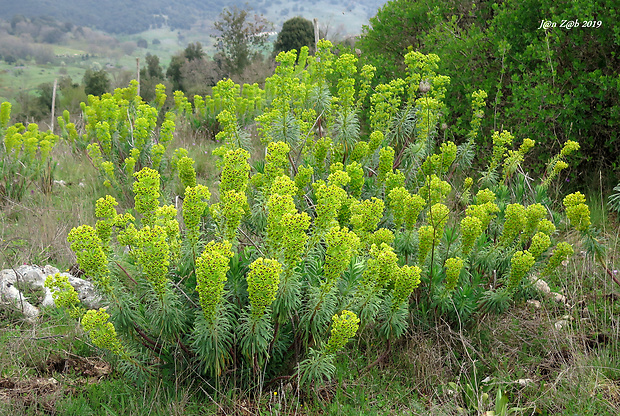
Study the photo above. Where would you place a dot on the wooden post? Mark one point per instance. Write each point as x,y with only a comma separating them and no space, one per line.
316,34
138,73
54,102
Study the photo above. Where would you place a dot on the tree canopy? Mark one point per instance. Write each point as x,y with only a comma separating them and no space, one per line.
295,33
240,37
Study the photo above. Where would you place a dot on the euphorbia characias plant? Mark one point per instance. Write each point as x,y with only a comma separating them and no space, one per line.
341,230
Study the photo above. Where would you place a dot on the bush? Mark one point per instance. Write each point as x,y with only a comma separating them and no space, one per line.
336,233
551,84
25,157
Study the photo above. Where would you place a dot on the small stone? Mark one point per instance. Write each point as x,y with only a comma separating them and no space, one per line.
558,297
560,324
536,304
525,382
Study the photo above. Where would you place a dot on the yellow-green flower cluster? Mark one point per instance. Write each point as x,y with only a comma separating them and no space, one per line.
500,143
166,133
434,190
235,171
94,153
406,280
130,166
5,114
157,155
380,267
345,68
64,294
557,163
167,219
426,241
146,190
102,333
385,103
562,251
294,239
453,266
342,244
540,243
514,222
154,257
438,217
211,269
356,173
430,235
520,264
577,211
107,169
405,207
477,106
447,155
359,152
485,207
279,204
514,158
187,173
471,229
303,178
367,74
329,199
344,327
323,145
375,140
276,159
105,211
569,147
102,131
338,177
160,95
386,162
546,226
181,103
234,206
91,257
382,235
263,280
466,194
365,215
534,214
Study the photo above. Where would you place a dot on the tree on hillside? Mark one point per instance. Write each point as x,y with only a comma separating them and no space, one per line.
150,76
295,33
194,51
240,37
96,82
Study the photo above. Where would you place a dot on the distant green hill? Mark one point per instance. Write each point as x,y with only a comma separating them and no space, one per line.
118,16
135,16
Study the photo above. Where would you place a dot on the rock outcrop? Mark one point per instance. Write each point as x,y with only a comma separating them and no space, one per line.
33,278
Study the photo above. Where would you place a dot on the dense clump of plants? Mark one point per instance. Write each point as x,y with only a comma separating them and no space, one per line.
25,157
550,68
338,232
